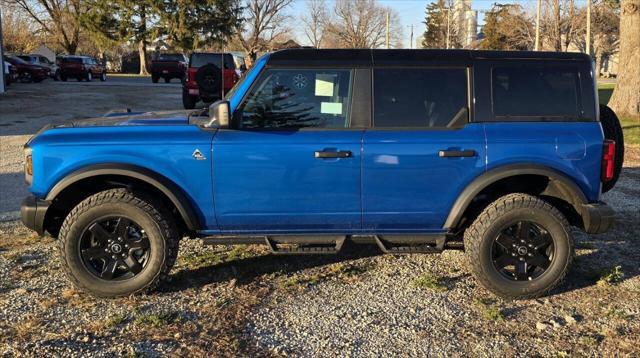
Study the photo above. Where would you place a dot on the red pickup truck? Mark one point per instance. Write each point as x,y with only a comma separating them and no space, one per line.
168,66
205,81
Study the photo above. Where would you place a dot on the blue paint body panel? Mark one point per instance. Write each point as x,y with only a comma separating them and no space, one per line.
406,186
62,151
270,181
574,149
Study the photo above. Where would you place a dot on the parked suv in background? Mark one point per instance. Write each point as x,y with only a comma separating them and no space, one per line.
499,153
205,81
168,66
28,72
81,68
44,62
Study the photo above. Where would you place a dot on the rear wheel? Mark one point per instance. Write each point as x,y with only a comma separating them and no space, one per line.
103,76
56,76
154,79
188,101
613,131
89,76
116,243
519,247
167,79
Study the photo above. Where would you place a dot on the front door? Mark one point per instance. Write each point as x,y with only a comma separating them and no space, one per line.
421,151
291,163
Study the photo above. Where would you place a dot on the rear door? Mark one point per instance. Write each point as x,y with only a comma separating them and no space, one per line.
292,161
421,150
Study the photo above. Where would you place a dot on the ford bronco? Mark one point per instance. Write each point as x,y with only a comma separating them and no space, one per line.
415,151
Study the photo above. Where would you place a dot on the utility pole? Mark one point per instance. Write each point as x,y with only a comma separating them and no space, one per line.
2,84
388,33
411,42
537,45
589,27
448,26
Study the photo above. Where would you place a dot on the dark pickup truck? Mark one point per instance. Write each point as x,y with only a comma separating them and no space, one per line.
168,66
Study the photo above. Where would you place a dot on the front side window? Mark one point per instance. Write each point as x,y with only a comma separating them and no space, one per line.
535,92
298,98
420,97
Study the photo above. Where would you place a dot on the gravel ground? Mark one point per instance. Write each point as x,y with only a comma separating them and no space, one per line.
240,301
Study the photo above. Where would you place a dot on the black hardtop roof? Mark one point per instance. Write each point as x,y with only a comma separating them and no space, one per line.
369,57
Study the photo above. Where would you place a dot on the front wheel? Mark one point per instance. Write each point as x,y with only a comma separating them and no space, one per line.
117,243
89,76
519,247
103,76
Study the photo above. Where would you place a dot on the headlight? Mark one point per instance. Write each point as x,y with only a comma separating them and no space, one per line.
28,165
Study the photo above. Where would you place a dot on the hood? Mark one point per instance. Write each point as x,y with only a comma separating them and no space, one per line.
160,118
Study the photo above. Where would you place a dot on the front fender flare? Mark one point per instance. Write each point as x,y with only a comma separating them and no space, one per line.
166,186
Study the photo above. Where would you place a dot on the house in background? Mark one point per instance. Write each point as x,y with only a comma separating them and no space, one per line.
43,50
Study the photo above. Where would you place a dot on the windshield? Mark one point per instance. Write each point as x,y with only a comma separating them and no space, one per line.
171,57
17,60
239,83
25,58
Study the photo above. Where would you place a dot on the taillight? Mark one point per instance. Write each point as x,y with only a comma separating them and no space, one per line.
608,159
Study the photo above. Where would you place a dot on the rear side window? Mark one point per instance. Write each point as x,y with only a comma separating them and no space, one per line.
170,57
535,93
228,62
420,97
71,60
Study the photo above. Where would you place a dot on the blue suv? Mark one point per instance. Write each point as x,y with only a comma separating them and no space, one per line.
415,151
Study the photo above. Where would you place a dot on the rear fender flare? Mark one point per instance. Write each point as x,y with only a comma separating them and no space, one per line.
560,186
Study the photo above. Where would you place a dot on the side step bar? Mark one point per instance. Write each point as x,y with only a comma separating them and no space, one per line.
332,244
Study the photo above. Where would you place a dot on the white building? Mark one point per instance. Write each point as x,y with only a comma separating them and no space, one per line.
465,21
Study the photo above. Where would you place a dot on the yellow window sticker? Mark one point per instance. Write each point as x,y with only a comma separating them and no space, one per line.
331,107
324,85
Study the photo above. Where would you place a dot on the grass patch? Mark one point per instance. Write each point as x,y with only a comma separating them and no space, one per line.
210,258
585,245
115,320
611,276
490,310
630,127
428,281
157,320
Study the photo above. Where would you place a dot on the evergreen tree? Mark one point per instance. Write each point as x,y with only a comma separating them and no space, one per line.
507,27
192,24
437,30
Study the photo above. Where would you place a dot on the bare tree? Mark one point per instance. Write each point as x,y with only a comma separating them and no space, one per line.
605,22
557,24
59,18
315,20
265,22
626,95
362,24
19,34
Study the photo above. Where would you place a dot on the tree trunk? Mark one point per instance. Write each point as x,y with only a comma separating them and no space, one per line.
625,100
557,43
142,52
598,60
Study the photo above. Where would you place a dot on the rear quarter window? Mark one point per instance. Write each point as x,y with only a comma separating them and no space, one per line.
535,93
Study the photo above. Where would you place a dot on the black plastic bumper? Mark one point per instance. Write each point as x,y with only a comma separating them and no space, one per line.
597,217
32,212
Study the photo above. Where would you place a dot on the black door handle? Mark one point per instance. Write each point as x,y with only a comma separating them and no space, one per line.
456,153
333,154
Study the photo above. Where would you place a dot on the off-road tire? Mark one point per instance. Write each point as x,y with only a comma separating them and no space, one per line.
151,216
479,237
188,101
612,130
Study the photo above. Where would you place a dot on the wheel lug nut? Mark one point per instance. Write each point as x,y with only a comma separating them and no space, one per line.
530,254
522,259
114,257
513,254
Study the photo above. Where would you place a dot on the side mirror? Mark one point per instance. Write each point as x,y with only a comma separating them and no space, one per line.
219,114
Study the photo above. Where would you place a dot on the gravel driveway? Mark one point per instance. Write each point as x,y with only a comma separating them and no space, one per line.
240,301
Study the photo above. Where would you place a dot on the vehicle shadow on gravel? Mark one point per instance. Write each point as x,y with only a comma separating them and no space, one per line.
247,270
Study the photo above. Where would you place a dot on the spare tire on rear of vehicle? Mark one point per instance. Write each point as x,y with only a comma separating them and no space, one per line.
613,131
209,79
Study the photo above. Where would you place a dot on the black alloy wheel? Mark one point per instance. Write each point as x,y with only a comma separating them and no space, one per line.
114,248
522,251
